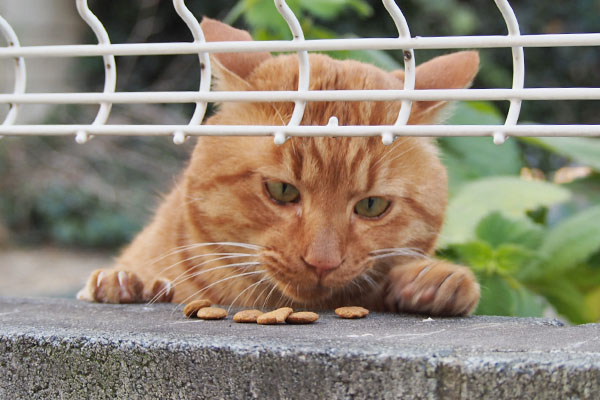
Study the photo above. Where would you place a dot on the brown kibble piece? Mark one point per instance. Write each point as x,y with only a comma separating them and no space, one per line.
246,316
302,317
211,313
274,317
192,308
351,312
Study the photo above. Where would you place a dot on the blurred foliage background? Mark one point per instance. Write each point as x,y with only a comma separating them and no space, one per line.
525,216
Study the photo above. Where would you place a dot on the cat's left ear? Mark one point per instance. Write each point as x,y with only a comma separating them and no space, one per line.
231,69
451,71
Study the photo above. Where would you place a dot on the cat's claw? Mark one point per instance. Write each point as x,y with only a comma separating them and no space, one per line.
161,290
117,286
432,287
112,286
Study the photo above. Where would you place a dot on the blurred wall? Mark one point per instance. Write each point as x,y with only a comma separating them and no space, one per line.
36,23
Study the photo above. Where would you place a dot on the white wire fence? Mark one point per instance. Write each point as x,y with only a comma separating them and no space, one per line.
404,42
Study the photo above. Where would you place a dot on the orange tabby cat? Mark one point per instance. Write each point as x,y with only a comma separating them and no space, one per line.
316,222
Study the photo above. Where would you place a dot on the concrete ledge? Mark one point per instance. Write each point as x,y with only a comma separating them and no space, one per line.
65,349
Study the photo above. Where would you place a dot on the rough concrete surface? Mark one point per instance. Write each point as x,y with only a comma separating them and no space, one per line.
51,348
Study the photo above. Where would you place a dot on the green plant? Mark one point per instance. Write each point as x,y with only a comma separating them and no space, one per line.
532,244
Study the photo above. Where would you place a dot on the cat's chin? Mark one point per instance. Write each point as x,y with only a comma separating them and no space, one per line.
309,294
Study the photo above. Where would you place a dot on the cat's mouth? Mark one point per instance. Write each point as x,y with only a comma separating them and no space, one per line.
308,294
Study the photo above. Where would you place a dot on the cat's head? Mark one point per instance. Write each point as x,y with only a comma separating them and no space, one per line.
321,209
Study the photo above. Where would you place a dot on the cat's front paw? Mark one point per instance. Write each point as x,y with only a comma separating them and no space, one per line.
117,286
112,286
432,287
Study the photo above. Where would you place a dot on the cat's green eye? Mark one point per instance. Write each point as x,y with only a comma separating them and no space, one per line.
371,207
282,192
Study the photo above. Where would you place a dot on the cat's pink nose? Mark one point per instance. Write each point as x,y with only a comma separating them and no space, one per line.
322,266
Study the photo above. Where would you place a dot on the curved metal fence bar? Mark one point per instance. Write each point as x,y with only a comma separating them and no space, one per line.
547,94
110,67
518,67
416,43
303,66
20,71
331,129
409,67
300,97
205,70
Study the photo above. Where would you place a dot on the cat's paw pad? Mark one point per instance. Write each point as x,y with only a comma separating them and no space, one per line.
433,287
112,286
160,290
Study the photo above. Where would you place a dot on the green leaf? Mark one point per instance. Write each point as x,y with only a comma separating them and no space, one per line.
362,8
511,258
496,229
331,9
592,302
582,150
262,15
469,158
476,254
585,276
511,195
572,241
497,297
324,9
378,58
566,299
528,304
475,113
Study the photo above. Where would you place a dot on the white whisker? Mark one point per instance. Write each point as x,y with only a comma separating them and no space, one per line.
198,245
282,293
400,252
243,291
370,281
269,295
224,256
222,280
183,277
260,295
398,249
204,271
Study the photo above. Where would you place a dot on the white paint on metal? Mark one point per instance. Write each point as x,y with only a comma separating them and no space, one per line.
205,69
518,67
409,68
308,130
204,95
20,71
313,95
110,67
417,43
303,68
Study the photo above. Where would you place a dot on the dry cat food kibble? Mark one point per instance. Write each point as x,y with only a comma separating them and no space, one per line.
247,316
302,317
211,313
192,308
274,317
351,312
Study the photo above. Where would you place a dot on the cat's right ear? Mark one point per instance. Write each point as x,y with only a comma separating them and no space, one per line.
231,69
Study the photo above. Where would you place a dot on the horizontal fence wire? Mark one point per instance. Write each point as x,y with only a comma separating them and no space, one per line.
301,46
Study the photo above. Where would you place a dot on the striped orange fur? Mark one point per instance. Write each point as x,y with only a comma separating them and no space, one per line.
220,235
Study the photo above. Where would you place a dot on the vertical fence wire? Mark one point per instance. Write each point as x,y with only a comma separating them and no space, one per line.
303,66
205,69
110,67
20,73
409,67
518,57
